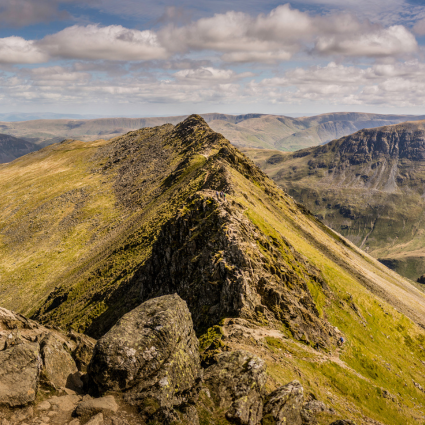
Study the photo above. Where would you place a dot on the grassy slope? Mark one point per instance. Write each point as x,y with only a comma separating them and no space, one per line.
103,240
384,349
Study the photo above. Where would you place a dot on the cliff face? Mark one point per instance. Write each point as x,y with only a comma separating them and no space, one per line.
368,186
88,232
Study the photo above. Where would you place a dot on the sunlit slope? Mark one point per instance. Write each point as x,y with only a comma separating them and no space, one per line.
90,230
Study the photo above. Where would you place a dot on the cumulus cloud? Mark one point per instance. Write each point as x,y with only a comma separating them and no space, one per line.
18,50
113,42
210,74
400,84
236,36
242,38
393,41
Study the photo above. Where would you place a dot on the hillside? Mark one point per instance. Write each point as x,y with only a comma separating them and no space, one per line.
367,186
249,130
89,231
12,148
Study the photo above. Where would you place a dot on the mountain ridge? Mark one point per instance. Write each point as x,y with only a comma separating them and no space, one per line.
247,130
89,230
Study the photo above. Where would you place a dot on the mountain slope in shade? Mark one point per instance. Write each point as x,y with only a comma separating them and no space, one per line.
12,148
90,230
248,130
368,186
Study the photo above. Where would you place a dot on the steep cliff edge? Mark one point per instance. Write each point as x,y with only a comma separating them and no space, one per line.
90,231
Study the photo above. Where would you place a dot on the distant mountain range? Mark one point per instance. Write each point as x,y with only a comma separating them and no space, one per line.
23,116
249,130
369,186
12,148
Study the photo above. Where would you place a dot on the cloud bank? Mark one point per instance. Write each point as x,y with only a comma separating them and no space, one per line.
235,36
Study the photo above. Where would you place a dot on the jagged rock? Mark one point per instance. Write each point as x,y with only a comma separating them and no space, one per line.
342,422
97,420
421,279
92,406
151,355
283,406
65,403
311,409
19,371
58,365
83,352
236,383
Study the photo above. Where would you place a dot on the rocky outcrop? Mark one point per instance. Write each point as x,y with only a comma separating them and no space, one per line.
19,371
33,356
58,364
151,356
236,383
222,265
283,406
421,279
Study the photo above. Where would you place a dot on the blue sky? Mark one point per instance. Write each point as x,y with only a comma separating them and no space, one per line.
169,58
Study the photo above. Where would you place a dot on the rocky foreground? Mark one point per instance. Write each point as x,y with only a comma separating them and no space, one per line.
147,369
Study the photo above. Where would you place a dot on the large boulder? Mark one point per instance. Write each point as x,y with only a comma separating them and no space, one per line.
19,371
58,365
151,355
236,383
283,406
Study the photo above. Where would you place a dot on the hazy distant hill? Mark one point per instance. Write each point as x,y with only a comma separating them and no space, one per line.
25,116
249,130
12,148
369,186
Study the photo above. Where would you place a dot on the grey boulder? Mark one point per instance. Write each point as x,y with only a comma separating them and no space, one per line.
19,371
283,406
151,355
58,365
237,382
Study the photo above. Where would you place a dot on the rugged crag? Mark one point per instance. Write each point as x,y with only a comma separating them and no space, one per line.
367,186
149,362
111,225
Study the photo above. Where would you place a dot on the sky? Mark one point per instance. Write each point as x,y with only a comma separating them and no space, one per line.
163,57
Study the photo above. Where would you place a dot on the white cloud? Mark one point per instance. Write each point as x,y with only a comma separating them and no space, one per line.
236,36
393,41
18,50
209,74
400,84
113,42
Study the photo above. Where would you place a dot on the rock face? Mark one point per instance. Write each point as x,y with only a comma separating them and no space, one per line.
19,370
151,355
368,186
421,279
57,361
207,255
31,356
283,406
236,383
